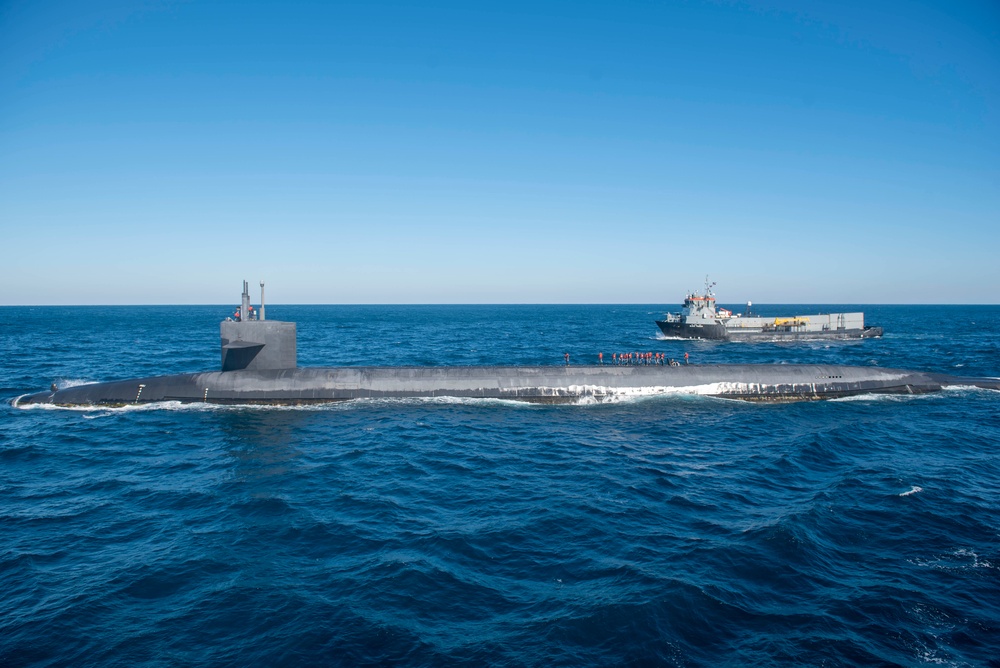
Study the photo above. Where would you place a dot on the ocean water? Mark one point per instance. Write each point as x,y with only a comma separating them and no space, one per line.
675,531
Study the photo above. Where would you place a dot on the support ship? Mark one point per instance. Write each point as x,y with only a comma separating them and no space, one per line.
700,319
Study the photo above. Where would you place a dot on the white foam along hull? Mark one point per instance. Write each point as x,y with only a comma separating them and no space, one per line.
543,384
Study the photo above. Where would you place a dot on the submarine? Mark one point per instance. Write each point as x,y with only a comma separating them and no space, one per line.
259,366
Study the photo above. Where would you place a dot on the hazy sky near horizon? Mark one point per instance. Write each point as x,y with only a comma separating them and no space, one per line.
539,152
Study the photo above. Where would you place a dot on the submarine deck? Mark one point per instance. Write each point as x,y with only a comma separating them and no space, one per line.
545,384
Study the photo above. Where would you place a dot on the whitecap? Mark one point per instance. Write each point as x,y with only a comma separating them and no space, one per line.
976,561
913,490
959,560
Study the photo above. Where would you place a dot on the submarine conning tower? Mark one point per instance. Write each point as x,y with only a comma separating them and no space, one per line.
251,342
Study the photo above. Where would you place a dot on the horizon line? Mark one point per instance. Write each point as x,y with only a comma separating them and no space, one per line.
282,304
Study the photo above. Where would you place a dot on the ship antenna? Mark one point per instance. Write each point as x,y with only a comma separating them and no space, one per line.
261,314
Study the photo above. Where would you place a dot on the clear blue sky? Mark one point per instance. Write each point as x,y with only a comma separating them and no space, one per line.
438,152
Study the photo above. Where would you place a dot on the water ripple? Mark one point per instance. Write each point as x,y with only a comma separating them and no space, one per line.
679,531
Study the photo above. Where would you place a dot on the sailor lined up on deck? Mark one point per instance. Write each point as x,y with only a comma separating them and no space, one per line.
633,359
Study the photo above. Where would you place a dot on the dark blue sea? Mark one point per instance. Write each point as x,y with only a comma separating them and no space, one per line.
673,531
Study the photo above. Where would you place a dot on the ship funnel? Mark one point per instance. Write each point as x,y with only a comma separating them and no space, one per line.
261,314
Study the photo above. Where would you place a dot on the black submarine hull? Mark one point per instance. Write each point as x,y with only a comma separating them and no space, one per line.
717,332
541,384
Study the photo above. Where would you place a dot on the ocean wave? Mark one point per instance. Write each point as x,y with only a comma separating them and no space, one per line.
660,529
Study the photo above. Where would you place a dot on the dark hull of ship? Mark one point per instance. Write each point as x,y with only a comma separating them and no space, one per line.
716,332
539,384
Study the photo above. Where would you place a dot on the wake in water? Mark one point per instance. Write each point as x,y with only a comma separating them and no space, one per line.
887,398
699,393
